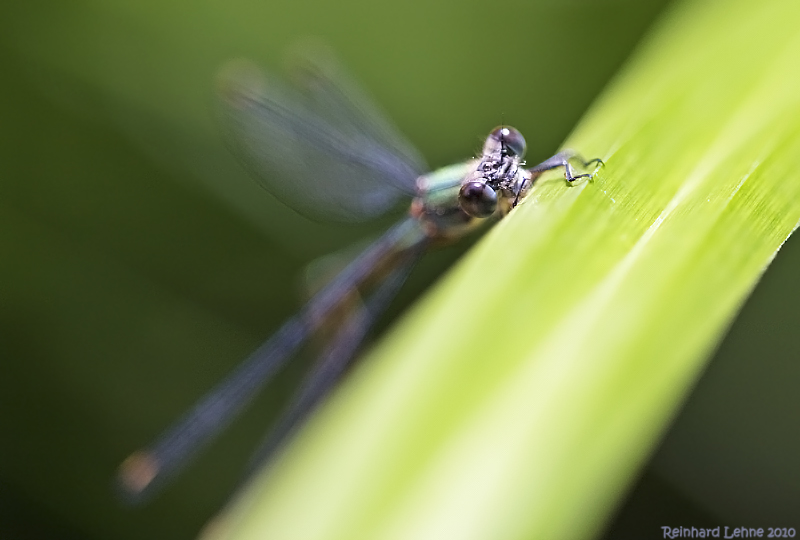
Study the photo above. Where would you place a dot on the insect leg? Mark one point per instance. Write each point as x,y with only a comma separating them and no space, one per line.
562,159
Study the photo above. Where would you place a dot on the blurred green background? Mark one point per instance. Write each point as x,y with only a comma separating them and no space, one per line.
139,262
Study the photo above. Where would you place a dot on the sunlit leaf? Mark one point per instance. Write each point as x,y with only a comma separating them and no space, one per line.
520,397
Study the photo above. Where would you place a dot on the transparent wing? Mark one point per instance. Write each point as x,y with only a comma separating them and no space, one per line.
146,471
316,69
320,146
333,362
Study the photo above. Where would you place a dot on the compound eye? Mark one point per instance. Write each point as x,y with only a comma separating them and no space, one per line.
511,140
477,199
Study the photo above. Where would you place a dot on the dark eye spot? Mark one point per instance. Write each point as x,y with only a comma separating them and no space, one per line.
477,199
511,140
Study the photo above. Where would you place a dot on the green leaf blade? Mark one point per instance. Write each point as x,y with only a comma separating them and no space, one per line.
520,397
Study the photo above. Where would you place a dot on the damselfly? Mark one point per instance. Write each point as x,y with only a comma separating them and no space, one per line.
324,149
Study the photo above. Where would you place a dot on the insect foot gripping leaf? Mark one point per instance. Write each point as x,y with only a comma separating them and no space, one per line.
522,408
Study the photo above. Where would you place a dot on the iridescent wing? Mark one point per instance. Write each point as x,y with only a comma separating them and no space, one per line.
147,470
320,145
